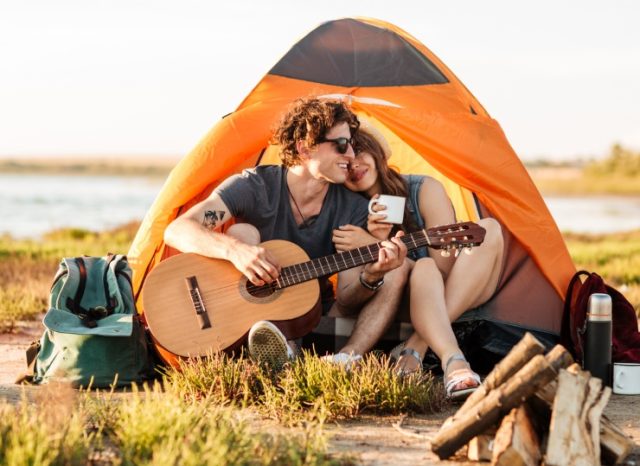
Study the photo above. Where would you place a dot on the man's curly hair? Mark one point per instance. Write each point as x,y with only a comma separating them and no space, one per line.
310,119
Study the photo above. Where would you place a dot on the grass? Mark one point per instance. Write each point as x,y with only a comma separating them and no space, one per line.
615,257
148,427
213,411
616,174
307,389
586,184
27,267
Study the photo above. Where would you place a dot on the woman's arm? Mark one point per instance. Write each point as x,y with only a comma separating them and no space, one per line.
349,237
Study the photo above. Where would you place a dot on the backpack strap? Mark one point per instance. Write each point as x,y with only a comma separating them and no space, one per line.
111,302
32,353
88,317
74,304
566,336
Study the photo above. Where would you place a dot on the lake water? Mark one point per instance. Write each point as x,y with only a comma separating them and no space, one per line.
31,205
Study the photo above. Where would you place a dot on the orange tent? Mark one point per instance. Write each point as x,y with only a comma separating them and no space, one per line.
434,125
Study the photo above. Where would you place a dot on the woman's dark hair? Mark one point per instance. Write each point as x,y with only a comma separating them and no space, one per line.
309,120
391,182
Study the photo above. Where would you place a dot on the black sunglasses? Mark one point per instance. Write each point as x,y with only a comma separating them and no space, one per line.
342,144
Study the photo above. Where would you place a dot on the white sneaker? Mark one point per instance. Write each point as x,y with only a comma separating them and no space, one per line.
267,345
347,360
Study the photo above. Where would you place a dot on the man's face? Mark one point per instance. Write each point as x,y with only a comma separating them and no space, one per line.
325,160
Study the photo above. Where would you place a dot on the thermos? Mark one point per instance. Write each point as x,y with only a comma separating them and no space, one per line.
597,342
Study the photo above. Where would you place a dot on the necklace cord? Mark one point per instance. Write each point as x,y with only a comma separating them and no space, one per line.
304,220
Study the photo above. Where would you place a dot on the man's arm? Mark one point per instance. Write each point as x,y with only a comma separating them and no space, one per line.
352,293
194,232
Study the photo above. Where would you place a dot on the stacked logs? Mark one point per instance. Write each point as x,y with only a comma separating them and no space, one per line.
533,408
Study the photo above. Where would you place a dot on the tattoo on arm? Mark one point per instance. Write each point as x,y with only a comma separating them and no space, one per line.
212,217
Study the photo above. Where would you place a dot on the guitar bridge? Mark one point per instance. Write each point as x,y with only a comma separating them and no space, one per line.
198,304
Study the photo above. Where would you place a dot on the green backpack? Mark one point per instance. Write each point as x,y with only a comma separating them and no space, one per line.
92,331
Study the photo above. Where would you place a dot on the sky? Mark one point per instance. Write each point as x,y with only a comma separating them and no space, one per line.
151,77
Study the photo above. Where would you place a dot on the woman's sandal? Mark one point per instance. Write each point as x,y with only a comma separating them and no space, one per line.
456,377
401,350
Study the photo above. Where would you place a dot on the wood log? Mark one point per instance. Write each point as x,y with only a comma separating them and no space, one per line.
615,445
517,442
537,372
572,438
520,354
480,447
594,416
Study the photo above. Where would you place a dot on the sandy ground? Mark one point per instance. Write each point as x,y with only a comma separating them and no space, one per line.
371,440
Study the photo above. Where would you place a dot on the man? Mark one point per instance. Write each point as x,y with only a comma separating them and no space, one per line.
301,201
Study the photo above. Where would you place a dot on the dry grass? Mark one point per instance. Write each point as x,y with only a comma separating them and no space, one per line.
308,388
148,427
27,267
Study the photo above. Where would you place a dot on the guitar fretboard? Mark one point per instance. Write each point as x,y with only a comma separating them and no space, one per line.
328,265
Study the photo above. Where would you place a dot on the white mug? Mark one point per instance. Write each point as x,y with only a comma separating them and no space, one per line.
394,210
626,378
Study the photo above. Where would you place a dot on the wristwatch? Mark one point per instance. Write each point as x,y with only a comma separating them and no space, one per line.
370,286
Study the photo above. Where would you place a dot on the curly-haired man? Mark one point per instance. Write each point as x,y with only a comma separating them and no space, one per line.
301,201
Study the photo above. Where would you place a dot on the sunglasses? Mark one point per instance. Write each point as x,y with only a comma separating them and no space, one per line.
342,144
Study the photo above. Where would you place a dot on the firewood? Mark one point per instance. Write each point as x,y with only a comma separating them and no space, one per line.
480,447
594,416
537,372
520,354
517,442
615,445
574,431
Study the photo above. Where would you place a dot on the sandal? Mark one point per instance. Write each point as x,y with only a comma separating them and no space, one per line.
457,377
401,350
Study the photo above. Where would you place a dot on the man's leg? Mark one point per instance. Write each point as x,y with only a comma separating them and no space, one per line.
266,343
378,313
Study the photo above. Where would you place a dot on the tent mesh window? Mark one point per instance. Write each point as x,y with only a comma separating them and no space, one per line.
353,54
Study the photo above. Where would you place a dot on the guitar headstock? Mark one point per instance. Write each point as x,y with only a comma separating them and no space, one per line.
456,236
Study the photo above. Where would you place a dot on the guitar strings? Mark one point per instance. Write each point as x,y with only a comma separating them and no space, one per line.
290,276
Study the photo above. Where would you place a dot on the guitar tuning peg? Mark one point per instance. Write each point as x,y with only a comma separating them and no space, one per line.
468,250
445,253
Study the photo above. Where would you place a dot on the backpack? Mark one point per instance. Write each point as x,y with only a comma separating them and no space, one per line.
625,335
92,330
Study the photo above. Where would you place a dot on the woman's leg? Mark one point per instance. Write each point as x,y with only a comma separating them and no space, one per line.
474,277
434,304
429,315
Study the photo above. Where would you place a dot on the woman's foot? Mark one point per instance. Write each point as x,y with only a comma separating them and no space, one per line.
407,360
459,380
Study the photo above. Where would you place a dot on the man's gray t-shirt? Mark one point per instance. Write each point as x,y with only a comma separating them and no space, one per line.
259,196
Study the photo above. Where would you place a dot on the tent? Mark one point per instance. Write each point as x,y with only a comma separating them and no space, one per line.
434,125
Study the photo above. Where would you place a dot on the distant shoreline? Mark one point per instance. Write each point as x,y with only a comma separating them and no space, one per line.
134,165
561,180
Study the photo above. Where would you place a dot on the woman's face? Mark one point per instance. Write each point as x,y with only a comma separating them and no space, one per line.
363,174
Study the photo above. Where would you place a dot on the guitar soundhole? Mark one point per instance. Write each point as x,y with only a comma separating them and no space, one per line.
258,294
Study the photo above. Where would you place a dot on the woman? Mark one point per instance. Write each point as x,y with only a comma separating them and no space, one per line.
440,288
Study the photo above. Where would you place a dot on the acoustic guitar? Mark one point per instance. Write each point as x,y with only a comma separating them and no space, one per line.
195,305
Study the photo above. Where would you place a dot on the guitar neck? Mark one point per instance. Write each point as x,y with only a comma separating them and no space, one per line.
328,265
